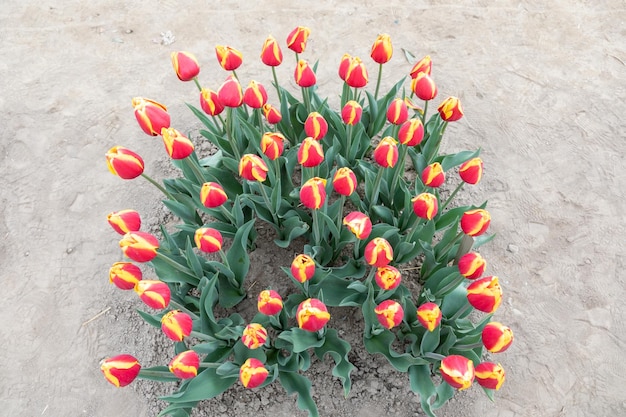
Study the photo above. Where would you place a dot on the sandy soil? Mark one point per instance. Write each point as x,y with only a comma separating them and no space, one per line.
543,86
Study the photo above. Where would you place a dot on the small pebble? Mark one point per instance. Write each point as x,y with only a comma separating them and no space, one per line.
512,248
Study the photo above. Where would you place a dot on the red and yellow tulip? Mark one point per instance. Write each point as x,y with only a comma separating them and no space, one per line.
433,175
315,126
313,193
254,336
388,277
230,94
139,246
429,315
120,370
386,152
269,302
177,145
210,102
255,95
125,275
176,325
312,315
252,168
425,206
389,313
271,54
304,75
378,252
310,153
471,171
303,268
185,65
152,116
185,365
490,375
271,113
229,58
497,337
153,293
272,145
124,221
344,181
124,163
296,40
382,50
356,76
450,110
472,265
411,132
475,222
424,65
485,294
359,224
458,371
208,240
424,87
252,373
212,195
397,112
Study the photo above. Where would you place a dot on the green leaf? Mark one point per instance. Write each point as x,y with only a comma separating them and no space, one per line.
296,383
158,373
207,384
450,161
382,343
154,320
422,384
300,339
338,349
292,228
454,301
237,256
430,341
444,393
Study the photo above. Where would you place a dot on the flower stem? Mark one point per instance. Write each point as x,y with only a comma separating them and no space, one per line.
179,306
349,130
177,266
276,82
342,202
229,133
449,246
157,185
414,226
376,188
460,312
259,118
316,227
380,75
195,80
196,170
399,169
306,98
455,283
456,190
269,204
424,112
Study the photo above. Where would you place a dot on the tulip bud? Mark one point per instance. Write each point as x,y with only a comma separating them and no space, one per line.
315,126
269,302
212,195
303,268
155,294
312,315
382,49
472,265
186,65
424,87
389,313
229,94
310,153
271,55
120,370
124,221
313,193
356,75
124,275
388,277
450,110
185,365
411,132
208,240
397,113
359,224
490,375
272,145
252,373
210,102
304,75
344,181
485,294
424,65
229,58
458,371
296,40
344,65
411,105
176,325
351,113
124,163
177,145
378,252
151,115
497,337
475,222
471,171
254,336
429,315
252,168
425,206
271,113
386,152
433,176
255,95
139,246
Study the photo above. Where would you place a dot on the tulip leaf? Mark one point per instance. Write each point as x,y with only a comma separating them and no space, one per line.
300,339
382,343
158,373
422,384
237,256
454,301
338,349
453,160
207,384
154,320
430,340
178,410
301,385
444,393
292,228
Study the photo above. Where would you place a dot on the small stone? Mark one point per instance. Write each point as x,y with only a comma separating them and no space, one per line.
512,248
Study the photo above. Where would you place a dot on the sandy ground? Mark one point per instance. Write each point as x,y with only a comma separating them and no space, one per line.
543,86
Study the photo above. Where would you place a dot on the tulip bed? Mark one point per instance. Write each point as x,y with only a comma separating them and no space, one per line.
337,180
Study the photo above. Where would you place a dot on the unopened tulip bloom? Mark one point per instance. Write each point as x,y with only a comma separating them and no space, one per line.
296,40
472,265
497,337
429,315
312,315
230,94
177,145
397,112
139,246
252,373
269,302
252,168
450,110
313,193
255,95
458,371
424,65
471,171
303,268
208,240
152,116
229,58
356,75
411,132
125,275
485,294
272,144
176,325
388,277
381,49
475,222
490,375
344,65
212,195
155,294
315,126
124,163
351,113
433,175
185,365
271,113
359,224
271,55
425,206
254,336
304,75
389,313
210,102
344,181
310,153
185,65
378,252
386,152
124,221
120,370
424,87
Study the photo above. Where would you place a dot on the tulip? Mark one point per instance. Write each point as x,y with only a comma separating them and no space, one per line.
139,246
271,113
310,153
252,168
472,265
351,113
125,275
313,193
344,65
388,277
229,94
315,126
450,110
304,75
381,49
457,371
411,105
497,337
269,302
433,176
212,195
359,224
389,313
185,365
186,65
254,336
378,252
255,95
120,370
252,373
485,294
490,375
475,222
397,112
411,132
272,145
303,268
344,181
177,145
424,87
124,221
271,55
210,102
425,206
386,152
296,40
124,163
208,240
155,294
176,325
429,315
229,58
471,171
356,75
151,115
424,65
312,315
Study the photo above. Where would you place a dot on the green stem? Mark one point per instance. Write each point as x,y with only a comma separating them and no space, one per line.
451,286
270,207
228,215
181,307
150,374
414,226
195,79
424,112
460,312
469,347
259,118
219,116
235,74
432,355
449,246
398,172
376,188
229,133
371,276
157,185
177,266
349,130
342,202
276,82
196,170
380,75
456,190
357,248
316,227
306,98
